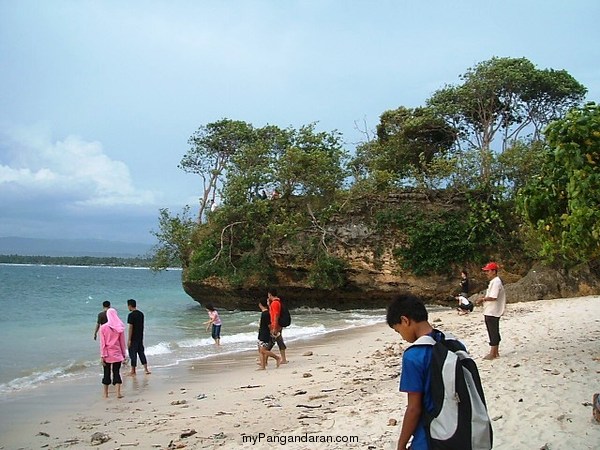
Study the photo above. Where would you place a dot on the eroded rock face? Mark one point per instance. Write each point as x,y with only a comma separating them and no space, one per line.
375,289
374,276
543,283
366,288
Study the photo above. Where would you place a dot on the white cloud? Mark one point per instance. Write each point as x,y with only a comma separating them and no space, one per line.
33,165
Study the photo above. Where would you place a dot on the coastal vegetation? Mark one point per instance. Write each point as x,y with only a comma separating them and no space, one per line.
503,165
76,261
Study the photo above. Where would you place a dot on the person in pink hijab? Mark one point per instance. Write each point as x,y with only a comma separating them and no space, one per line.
112,350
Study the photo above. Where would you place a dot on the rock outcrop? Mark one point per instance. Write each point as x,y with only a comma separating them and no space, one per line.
374,289
374,275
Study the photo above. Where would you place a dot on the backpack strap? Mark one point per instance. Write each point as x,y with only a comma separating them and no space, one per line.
424,340
428,340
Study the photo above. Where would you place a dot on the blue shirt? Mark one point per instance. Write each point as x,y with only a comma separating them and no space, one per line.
415,377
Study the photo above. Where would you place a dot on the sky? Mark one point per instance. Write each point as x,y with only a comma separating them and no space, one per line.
98,98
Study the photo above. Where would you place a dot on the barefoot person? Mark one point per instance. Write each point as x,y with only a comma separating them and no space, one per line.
494,303
135,342
213,321
265,342
274,303
112,350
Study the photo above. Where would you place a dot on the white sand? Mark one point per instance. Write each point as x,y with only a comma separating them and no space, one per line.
539,392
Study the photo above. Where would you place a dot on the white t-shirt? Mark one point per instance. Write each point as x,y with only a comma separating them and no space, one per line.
463,300
495,290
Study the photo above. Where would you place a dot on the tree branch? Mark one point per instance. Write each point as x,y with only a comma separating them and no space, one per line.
218,255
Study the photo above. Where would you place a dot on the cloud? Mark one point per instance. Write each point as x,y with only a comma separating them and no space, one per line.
71,172
69,188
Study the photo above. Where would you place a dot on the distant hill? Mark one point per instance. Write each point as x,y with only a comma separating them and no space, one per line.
71,247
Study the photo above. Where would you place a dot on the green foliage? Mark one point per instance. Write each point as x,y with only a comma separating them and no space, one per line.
506,97
486,223
175,237
562,205
518,164
76,261
211,149
327,272
435,241
411,148
444,146
292,161
309,162
204,263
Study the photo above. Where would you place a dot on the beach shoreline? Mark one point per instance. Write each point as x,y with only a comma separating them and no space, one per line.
341,386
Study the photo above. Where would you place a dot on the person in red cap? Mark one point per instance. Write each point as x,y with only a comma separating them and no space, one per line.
494,303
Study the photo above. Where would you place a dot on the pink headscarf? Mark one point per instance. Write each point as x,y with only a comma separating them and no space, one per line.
113,320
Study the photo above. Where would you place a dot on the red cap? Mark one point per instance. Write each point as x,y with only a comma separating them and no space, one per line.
490,266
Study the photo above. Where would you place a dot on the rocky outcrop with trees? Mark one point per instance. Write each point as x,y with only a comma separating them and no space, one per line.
503,166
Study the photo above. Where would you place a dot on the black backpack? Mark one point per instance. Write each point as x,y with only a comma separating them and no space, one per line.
460,419
285,319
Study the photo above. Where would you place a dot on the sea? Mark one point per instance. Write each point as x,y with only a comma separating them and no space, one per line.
48,316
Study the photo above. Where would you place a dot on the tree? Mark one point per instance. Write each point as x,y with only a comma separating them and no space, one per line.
212,147
504,97
249,170
174,240
307,162
413,135
562,205
518,164
410,144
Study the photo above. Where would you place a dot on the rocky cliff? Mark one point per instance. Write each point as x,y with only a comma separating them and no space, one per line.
370,288
374,275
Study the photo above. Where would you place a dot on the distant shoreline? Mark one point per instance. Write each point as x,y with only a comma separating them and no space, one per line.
96,261
87,265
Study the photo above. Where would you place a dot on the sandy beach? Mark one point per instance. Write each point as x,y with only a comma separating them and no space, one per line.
337,392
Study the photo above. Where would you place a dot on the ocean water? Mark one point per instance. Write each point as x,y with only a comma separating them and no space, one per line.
48,315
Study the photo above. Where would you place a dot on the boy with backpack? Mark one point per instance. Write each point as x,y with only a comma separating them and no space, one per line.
446,406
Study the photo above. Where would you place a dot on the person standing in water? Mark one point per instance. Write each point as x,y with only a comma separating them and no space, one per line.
215,321
135,342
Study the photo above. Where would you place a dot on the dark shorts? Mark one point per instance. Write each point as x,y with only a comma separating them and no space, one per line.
468,307
492,324
216,331
279,341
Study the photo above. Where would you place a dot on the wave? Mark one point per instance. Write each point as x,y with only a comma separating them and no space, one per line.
168,353
36,379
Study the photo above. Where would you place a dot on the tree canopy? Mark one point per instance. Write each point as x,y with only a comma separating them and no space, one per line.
562,204
480,141
504,97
